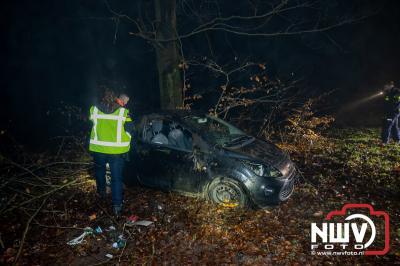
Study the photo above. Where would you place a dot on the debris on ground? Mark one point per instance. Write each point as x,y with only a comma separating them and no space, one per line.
141,223
80,239
92,217
354,168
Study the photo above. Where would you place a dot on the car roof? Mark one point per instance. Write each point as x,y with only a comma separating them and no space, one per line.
172,114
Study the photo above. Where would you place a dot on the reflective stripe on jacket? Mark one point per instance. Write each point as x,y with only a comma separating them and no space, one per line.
108,133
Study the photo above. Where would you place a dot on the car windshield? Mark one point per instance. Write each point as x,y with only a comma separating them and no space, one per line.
218,131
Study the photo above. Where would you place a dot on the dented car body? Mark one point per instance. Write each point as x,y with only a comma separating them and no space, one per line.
205,156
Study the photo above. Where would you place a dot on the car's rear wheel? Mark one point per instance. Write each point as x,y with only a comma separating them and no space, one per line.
227,192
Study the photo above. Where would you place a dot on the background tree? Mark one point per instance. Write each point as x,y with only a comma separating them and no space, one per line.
182,25
168,55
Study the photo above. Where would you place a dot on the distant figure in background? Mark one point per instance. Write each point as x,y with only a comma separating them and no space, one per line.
110,143
392,112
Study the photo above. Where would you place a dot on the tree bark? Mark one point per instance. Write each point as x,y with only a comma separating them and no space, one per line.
168,56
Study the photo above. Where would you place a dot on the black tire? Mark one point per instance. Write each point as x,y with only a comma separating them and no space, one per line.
228,192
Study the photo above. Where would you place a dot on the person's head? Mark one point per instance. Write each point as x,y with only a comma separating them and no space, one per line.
389,85
107,99
123,99
108,96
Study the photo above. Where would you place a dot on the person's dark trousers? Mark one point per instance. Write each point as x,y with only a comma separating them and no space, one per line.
392,125
116,163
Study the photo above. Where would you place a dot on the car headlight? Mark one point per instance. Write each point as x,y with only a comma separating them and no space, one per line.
286,169
258,169
273,172
262,170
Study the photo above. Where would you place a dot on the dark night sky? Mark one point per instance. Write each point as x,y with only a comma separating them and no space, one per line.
52,52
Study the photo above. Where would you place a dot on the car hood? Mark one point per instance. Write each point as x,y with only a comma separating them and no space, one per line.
262,151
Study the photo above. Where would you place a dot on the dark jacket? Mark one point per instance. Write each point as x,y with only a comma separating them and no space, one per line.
392,102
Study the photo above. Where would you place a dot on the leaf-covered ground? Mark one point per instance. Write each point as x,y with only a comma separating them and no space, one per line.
351,167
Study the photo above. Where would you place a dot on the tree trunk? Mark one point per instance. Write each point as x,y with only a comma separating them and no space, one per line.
168,56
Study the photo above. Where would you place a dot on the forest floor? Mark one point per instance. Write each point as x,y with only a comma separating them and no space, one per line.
47,202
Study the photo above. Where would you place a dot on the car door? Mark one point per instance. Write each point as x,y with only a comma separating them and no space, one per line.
151,158
167,166
186,170
182,178
154,160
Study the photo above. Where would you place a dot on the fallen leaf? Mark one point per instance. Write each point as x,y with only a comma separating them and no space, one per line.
318,214
93,217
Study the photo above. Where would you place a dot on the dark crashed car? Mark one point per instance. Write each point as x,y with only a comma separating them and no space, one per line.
201,155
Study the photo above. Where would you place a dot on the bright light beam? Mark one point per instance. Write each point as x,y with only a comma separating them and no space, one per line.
362,101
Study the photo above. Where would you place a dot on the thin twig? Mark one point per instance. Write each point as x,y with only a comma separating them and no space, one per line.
25,169
1,243
45,194
21,245
58,227
123,249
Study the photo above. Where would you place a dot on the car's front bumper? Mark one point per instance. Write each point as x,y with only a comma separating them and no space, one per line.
268,191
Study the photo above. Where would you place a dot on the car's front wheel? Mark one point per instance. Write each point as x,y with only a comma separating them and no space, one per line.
227,192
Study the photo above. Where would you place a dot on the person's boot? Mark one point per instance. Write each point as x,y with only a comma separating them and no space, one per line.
117,210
